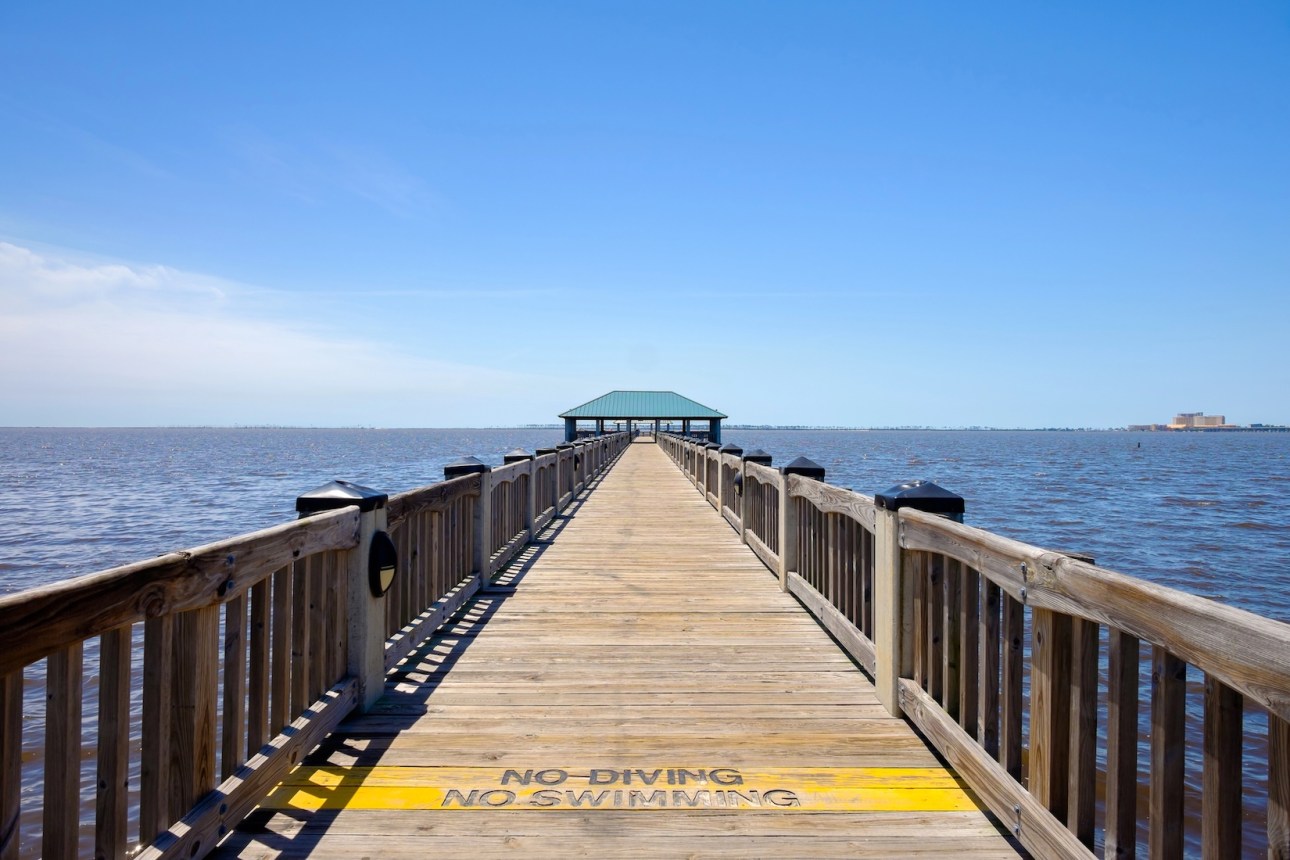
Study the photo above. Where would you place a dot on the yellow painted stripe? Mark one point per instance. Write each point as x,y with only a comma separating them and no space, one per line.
804,789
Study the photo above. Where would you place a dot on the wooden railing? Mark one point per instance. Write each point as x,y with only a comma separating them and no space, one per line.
240,656
1023,666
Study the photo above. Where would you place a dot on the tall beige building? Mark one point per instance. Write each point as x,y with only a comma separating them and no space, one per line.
1184,420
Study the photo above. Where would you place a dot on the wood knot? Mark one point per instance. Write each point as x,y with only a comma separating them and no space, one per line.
151,602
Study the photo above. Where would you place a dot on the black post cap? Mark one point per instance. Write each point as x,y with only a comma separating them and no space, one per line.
806,468
564,446
516,456
731,448
542,452
340,494
758,456
712,446
465,466
921,496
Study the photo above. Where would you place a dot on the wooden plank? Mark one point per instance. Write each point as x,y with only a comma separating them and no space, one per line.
1050,709
37,622
935,626
851,639
829,499
258,695
970,651
1221,779
951,623
155,794
1011,691
10,763
1082,790
192,726
1249,653
280,649
62,801
1278,788
1022,813
1168,746
988,669
301,634
233,723
1120,834
113,767
433,498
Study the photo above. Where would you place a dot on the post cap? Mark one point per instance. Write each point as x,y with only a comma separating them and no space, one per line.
712,446
516,456
465,466
758,456
542,452
921,496
731,448
564,446
340,494
806,468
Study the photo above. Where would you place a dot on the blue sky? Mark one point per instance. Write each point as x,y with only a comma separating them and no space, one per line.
448,214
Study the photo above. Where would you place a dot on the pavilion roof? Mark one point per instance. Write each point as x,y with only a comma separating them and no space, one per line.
642,404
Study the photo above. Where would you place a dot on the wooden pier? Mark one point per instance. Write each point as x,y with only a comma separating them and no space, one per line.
642,645
649,648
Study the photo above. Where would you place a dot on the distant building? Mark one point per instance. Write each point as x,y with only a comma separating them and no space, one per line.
1191,420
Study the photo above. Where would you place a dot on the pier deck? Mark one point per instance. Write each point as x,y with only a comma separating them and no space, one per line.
634,684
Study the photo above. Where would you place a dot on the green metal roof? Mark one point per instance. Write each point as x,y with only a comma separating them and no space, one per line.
642,404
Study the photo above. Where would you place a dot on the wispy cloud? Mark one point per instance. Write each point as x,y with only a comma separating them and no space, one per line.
312,173
111,342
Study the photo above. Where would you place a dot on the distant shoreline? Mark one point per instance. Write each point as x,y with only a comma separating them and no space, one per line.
756,427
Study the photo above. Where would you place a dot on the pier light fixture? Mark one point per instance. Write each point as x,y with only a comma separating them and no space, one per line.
382,564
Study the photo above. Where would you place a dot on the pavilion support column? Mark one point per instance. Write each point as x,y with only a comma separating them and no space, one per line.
656,428
600,427
570,429
685,426
714,430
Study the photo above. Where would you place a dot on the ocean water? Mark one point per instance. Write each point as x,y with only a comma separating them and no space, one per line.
1206,513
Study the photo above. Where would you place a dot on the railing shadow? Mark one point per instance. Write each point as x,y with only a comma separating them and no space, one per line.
295,817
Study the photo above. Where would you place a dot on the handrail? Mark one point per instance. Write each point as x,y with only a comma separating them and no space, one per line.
949,619
252,649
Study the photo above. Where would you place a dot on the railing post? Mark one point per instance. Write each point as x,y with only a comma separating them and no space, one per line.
482,551
738,481
788,557
893,613
365,655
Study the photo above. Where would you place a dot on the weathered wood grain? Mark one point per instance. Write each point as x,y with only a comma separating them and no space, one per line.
829,499
1082,759
1249,653
1221,779
1120,835
113,768
435,497
63,684
10,763
1168,746
37,622
1032,824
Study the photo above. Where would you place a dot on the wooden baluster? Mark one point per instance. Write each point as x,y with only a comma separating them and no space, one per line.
155,796
1050,709
232,748
280,653
952,641
867,565
257,730
63,684
1278,788
1082,786
935,626
1122,746
988,670
916,564
110,836
192,726
1168,747
969,650
1010,699
300,629
317,574
10,763
1221,782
